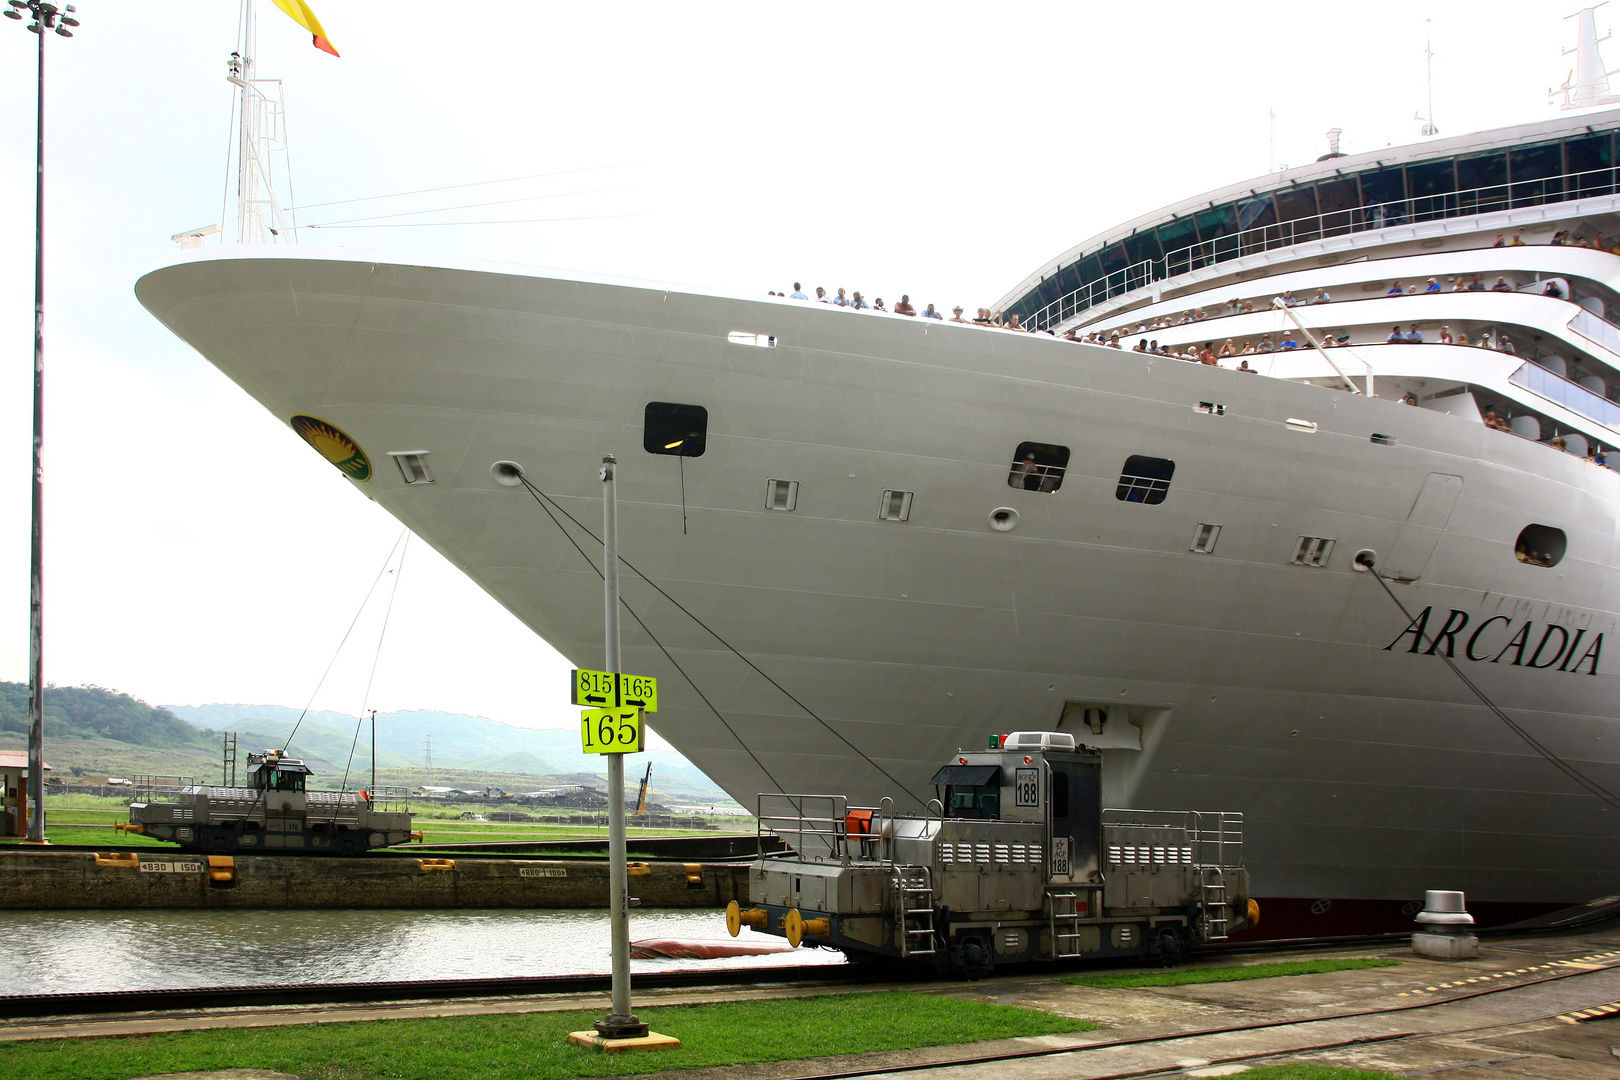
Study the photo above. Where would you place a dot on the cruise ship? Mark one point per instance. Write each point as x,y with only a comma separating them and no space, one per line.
1362,592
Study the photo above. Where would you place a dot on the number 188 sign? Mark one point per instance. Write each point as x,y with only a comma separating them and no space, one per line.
611,731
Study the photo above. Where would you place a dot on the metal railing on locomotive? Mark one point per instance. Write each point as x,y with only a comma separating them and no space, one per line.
147,786
1210,843
816,827
1566,187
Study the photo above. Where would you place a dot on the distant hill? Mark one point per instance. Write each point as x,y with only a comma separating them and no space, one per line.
459,743
91,712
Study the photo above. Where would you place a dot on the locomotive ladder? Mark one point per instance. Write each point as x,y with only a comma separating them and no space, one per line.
914,905
1064,922
1216,918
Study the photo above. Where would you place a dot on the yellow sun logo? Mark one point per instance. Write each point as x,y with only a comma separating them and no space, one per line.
334,446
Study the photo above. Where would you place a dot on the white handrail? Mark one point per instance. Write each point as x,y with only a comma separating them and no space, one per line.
1280,304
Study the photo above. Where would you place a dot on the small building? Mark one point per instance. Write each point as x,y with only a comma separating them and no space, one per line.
14,786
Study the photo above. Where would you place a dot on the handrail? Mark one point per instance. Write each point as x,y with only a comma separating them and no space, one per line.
1480,200
1568,393
1288,310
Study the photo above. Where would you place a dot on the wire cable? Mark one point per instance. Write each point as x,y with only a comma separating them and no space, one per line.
399,572
626,604
506,221
403,533
538,494
463,206
475,183
1592,786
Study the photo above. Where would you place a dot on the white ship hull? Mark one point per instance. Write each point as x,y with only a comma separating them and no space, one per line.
1240,679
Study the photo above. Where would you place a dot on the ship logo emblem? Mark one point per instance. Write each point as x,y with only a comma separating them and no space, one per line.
334,446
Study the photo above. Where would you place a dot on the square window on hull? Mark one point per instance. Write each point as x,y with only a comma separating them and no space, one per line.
675,430
1038,467
1145,479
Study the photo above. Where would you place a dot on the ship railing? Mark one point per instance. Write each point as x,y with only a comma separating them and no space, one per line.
1568,393
1492,198
1196,838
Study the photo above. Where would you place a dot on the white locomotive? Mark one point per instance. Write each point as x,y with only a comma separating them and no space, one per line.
1015,861
274,813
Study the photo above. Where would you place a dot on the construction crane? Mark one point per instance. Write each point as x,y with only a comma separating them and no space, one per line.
641,799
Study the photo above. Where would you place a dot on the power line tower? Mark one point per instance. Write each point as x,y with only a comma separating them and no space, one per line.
227,767
427,752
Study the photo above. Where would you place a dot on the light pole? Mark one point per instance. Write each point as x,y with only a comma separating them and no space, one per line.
43,16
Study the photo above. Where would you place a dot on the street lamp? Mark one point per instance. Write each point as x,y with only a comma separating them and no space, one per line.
43,16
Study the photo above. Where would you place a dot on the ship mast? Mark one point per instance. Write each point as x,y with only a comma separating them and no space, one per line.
260,137
1588,84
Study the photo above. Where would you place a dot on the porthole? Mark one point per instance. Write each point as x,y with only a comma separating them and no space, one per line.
1540,545
1145,479
1003,519
1038,467
676,430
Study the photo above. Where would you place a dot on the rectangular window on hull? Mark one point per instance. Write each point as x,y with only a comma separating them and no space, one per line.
1038,467
673,429
1313,551
1145,480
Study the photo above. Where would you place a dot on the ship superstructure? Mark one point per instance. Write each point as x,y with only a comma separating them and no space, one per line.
854,540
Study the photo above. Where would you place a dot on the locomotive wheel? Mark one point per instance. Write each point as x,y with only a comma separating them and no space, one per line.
1168,947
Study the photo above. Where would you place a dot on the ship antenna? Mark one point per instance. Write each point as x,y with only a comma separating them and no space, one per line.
1428,61
1588,84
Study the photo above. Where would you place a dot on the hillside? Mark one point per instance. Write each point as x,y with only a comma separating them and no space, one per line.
460,744
91,712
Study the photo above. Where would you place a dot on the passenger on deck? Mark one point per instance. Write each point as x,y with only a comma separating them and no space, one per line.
1462,338
1244,367
1394,336
1396,290
1409,398
1433,286
821,294
1113,343
1495,422
1558,239
904,306
1288,298
1248,307
1321,297
995,318
1288,342
857,303
1505,344
840,299
877,305
983,319
1412,336
1560,444
1266,344
1485,340
930,313
1501,285
957,317
1518,239
1248,347
1228,350
1500,241
1141,346
1014,324
1553,291
1206,355
1445,335
1477,284
797,293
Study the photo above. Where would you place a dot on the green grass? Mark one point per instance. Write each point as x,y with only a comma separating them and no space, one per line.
1236,973
533,1047
1304,1070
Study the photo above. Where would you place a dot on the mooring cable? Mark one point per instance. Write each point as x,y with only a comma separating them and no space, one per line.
545,499
399,572
645,629
1592,786
403,533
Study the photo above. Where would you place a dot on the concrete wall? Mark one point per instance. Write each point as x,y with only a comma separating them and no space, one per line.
44,879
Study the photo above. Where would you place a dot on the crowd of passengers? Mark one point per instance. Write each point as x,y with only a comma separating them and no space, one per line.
854,301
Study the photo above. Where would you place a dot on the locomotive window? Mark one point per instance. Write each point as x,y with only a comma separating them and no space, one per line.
973,801
289,781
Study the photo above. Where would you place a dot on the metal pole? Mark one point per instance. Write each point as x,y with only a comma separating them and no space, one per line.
374,752
36,570
621,1022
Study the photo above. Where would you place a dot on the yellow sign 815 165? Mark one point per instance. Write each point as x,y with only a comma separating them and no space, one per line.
611,731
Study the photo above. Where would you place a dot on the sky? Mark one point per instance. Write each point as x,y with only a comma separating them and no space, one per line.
197,550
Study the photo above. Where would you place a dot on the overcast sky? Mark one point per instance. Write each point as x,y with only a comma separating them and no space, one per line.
198,551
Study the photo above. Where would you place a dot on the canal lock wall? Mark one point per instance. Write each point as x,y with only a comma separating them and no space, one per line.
43,879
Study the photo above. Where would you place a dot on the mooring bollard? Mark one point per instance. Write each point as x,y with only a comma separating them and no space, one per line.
1445,928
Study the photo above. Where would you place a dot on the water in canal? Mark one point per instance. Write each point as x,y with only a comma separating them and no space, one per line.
77,951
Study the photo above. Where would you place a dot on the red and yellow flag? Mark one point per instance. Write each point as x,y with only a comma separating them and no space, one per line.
299,12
